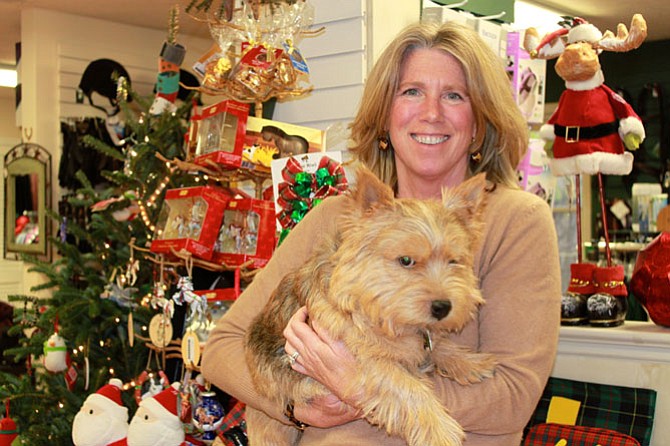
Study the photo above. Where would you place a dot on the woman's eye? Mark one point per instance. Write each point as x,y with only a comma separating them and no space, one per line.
411,92
406,261
453,96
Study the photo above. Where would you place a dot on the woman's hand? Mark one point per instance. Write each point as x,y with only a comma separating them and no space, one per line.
325,411
327,361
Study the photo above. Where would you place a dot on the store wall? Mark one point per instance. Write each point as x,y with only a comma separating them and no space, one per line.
57,47
11,273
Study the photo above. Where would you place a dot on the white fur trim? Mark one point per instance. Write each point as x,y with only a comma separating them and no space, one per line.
584,33
547,132
591,164
631,125
596,81
110,406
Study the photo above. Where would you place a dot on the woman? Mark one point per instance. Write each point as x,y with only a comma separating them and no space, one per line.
437,109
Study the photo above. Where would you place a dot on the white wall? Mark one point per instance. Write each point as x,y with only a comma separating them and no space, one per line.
57,47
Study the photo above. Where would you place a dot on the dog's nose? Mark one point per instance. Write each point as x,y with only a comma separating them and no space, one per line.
440,308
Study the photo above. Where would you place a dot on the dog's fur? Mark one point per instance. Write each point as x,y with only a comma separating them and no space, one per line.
397,271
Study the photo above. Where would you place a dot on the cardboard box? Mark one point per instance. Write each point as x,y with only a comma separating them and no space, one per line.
295,194
189,220
220,134
528,78
266,140
247,232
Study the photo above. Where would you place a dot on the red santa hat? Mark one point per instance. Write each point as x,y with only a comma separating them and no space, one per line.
165,402
109,395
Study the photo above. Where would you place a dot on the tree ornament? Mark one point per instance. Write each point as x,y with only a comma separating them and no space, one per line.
56,356
156,422
102,420
208,415
8,430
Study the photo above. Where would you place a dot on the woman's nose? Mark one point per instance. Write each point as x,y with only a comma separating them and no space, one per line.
431,109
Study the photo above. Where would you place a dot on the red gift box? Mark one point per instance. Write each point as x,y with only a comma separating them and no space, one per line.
189,220
220,134
246,233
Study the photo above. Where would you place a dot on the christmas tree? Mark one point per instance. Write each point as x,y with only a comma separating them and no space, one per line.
101,284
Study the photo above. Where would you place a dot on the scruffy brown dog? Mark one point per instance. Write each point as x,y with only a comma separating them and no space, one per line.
392,283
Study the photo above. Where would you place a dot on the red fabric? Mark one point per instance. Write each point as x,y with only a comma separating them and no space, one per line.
586,109
549,434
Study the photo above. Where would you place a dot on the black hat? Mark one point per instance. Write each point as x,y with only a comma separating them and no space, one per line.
101,76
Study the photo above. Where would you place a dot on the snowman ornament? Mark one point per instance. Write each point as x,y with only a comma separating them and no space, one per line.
102,420
56,358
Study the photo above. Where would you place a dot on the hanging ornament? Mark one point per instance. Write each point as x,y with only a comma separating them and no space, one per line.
8,430
56,356
208,415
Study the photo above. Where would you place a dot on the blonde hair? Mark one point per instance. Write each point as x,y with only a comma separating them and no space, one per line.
502,133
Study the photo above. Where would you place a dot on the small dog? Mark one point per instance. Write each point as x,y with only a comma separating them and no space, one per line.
392,283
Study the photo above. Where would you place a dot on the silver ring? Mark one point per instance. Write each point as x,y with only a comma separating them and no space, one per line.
293,357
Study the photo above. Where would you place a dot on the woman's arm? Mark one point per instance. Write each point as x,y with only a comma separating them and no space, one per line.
520,279
223,362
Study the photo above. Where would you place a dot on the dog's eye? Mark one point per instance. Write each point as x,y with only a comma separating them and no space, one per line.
406,261
453,262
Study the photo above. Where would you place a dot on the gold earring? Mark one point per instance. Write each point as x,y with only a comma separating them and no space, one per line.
384,143
476,157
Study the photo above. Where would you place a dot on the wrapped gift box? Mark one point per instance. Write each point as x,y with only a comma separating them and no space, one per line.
189,220
220,134
299,183
266,140
246,233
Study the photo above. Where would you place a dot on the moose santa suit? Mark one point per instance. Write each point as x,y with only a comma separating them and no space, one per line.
591,122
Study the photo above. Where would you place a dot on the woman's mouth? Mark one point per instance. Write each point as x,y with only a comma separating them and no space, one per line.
429,139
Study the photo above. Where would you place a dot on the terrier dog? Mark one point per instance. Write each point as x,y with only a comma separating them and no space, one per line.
392,283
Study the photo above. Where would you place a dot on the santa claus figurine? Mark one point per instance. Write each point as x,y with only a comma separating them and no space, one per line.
156,422
102,419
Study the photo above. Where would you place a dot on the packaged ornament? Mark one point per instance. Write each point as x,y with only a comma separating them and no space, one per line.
266,140
247,233
219,137
190,220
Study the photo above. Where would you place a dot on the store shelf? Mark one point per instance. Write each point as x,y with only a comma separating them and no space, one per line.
641,341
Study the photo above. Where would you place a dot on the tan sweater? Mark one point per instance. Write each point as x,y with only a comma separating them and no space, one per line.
518,267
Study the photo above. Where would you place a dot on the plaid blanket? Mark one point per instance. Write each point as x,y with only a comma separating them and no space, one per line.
550,434
623,409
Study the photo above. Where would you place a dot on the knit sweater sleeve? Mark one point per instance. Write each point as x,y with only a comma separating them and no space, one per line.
223,362
519,272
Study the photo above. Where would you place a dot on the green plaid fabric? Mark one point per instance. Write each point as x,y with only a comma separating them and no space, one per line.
549,434
623,409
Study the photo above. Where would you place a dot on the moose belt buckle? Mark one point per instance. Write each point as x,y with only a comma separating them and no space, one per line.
571,133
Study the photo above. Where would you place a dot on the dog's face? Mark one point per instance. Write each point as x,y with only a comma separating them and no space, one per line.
407,265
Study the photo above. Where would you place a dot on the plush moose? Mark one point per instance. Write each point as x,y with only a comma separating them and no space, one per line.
591,131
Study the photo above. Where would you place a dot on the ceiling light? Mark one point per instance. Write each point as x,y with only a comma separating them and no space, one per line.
8,77
543,19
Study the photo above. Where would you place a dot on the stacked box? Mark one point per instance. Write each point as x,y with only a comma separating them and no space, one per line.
189,220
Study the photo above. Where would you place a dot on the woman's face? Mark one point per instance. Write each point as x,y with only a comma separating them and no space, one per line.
431,123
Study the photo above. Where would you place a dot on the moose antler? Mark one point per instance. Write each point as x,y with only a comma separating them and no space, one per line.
624,40
550,47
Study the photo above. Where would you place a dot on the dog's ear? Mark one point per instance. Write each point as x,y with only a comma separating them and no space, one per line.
370,192
469,197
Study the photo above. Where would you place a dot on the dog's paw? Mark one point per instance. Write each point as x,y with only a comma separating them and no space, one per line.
468,369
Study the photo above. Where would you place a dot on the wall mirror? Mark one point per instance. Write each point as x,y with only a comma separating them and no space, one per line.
27,197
